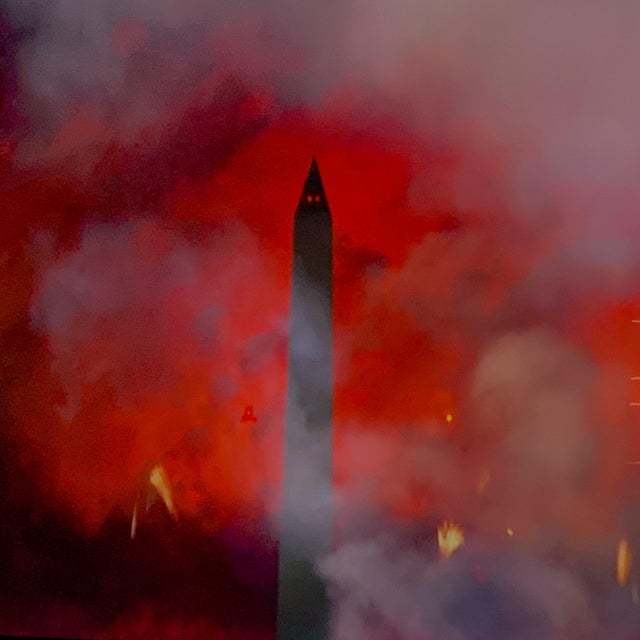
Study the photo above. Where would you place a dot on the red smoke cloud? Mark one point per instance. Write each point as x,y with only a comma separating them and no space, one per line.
482,185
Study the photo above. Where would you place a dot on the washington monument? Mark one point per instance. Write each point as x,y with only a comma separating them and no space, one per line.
307,514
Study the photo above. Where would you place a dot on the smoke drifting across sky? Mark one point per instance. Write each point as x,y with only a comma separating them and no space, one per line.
481,163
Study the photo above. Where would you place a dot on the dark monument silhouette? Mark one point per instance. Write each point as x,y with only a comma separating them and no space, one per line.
307,513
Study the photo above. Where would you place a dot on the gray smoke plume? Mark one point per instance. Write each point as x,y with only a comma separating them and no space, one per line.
531,424
541,98
386,590
153,337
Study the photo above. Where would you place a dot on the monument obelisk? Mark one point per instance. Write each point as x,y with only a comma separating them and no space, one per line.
307,512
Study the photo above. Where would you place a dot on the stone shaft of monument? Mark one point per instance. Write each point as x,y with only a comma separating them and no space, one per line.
307,513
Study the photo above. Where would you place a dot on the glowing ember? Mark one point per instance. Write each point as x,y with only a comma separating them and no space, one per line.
449,418
510,532
450,538
624,562
158,478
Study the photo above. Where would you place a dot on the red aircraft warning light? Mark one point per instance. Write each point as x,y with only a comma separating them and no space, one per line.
248,415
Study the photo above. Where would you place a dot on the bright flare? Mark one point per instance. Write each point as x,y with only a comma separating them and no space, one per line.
158,478
624,562
450,538
449,418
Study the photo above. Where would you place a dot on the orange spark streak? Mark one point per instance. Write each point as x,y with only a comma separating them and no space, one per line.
134,520
158,478
624,562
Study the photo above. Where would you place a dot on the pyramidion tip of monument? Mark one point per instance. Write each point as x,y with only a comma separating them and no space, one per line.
313,195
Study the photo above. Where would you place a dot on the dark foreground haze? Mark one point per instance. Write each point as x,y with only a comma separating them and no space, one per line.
481,161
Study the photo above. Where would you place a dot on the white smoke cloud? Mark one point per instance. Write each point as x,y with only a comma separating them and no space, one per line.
532,397
386,589
529,422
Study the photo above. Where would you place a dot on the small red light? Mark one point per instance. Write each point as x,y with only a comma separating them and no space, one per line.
309,198
248,415
317,198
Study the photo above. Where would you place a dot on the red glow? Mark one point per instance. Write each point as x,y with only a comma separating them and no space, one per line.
146,290
248,415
